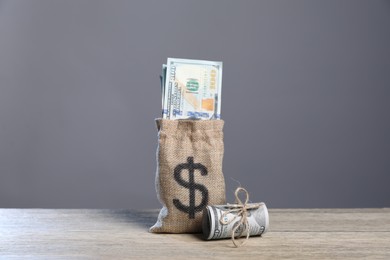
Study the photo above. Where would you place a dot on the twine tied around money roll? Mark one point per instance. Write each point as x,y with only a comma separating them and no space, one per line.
241,210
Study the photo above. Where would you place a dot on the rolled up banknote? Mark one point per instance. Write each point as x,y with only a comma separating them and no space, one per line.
219,221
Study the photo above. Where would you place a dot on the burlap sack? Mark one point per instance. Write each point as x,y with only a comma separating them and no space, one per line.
189,173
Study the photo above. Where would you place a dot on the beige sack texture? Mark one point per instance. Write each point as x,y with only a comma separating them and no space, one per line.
189,173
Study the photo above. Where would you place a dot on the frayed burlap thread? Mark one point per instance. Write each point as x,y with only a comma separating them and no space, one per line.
189,173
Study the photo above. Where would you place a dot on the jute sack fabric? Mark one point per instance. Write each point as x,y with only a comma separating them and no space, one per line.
189,173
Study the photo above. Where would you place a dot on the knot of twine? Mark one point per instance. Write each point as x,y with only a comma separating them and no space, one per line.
239,209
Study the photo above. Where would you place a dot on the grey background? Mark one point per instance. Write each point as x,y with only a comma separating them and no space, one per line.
305,98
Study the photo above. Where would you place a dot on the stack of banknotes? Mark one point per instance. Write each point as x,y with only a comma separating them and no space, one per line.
191,89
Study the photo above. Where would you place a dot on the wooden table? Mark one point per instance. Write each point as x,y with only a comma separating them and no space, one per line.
119,234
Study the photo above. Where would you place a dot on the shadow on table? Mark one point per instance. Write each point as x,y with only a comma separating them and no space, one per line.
142,218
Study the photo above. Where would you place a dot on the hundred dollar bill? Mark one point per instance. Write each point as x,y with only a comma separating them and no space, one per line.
192,89
215,228
162,82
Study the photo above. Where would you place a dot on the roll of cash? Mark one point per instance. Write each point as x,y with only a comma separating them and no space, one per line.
219,221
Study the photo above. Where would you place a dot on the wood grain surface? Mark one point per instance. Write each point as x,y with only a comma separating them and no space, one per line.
123,234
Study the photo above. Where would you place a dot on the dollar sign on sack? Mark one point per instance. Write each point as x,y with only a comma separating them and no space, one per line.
191,209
